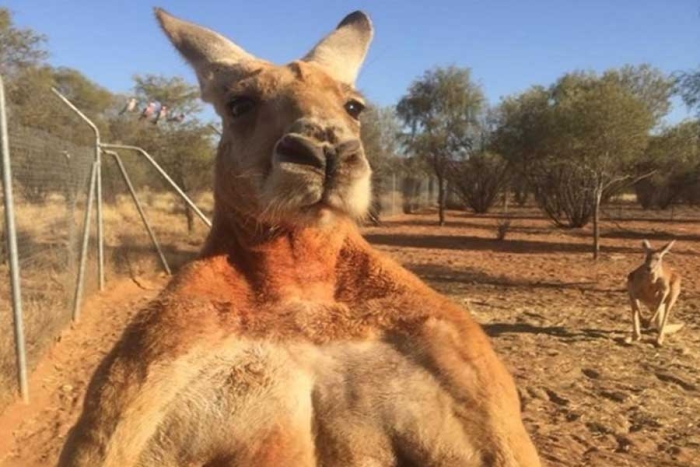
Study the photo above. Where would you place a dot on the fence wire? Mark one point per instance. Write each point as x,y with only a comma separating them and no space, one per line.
51,164
398,193
128,248
50,171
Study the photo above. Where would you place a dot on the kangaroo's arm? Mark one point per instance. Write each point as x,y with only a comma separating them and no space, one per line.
156,356
451,345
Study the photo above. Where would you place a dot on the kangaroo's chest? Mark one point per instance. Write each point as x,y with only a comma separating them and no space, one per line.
288,403
648,290
323,321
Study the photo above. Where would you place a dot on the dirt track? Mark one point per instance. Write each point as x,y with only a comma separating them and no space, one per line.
557,319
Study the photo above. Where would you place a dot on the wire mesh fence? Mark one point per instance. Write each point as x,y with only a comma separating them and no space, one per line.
51,166
129,252
50,175
398,193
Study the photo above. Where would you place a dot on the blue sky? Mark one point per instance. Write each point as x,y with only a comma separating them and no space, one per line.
509,45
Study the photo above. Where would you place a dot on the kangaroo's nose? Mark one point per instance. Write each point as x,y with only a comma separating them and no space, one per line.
298,150
350,151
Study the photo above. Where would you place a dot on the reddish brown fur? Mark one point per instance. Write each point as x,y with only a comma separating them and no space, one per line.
359,294
656,286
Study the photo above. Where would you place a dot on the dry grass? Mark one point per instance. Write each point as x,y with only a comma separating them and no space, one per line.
49,239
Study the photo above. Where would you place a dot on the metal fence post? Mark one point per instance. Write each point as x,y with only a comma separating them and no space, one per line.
165,175
393,194
84,248
100,236
12,250
135,198
100,233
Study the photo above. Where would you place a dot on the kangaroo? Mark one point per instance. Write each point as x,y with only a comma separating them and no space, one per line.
291,341
657,286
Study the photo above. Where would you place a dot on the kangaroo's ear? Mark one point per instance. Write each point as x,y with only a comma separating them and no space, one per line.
647,246
342,52
205,50
667,247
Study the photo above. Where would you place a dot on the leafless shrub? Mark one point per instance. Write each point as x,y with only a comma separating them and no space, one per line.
479,179
565,193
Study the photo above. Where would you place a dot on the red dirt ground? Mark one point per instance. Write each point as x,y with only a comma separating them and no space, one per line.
32,435
557,318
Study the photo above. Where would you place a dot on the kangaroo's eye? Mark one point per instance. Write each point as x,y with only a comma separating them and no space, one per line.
354,108
239,106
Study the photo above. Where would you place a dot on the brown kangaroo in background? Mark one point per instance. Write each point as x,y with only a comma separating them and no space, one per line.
657,286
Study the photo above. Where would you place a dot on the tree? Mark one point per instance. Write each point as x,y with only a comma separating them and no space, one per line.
687,85
91,98
648,84
441,111
484,173
32,104
187,154
21,66
380,130
564,192
19,48
520,131
579,141
184,149
674,155
600,127
175,92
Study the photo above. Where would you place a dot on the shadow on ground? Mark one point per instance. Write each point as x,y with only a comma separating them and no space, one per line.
472,243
